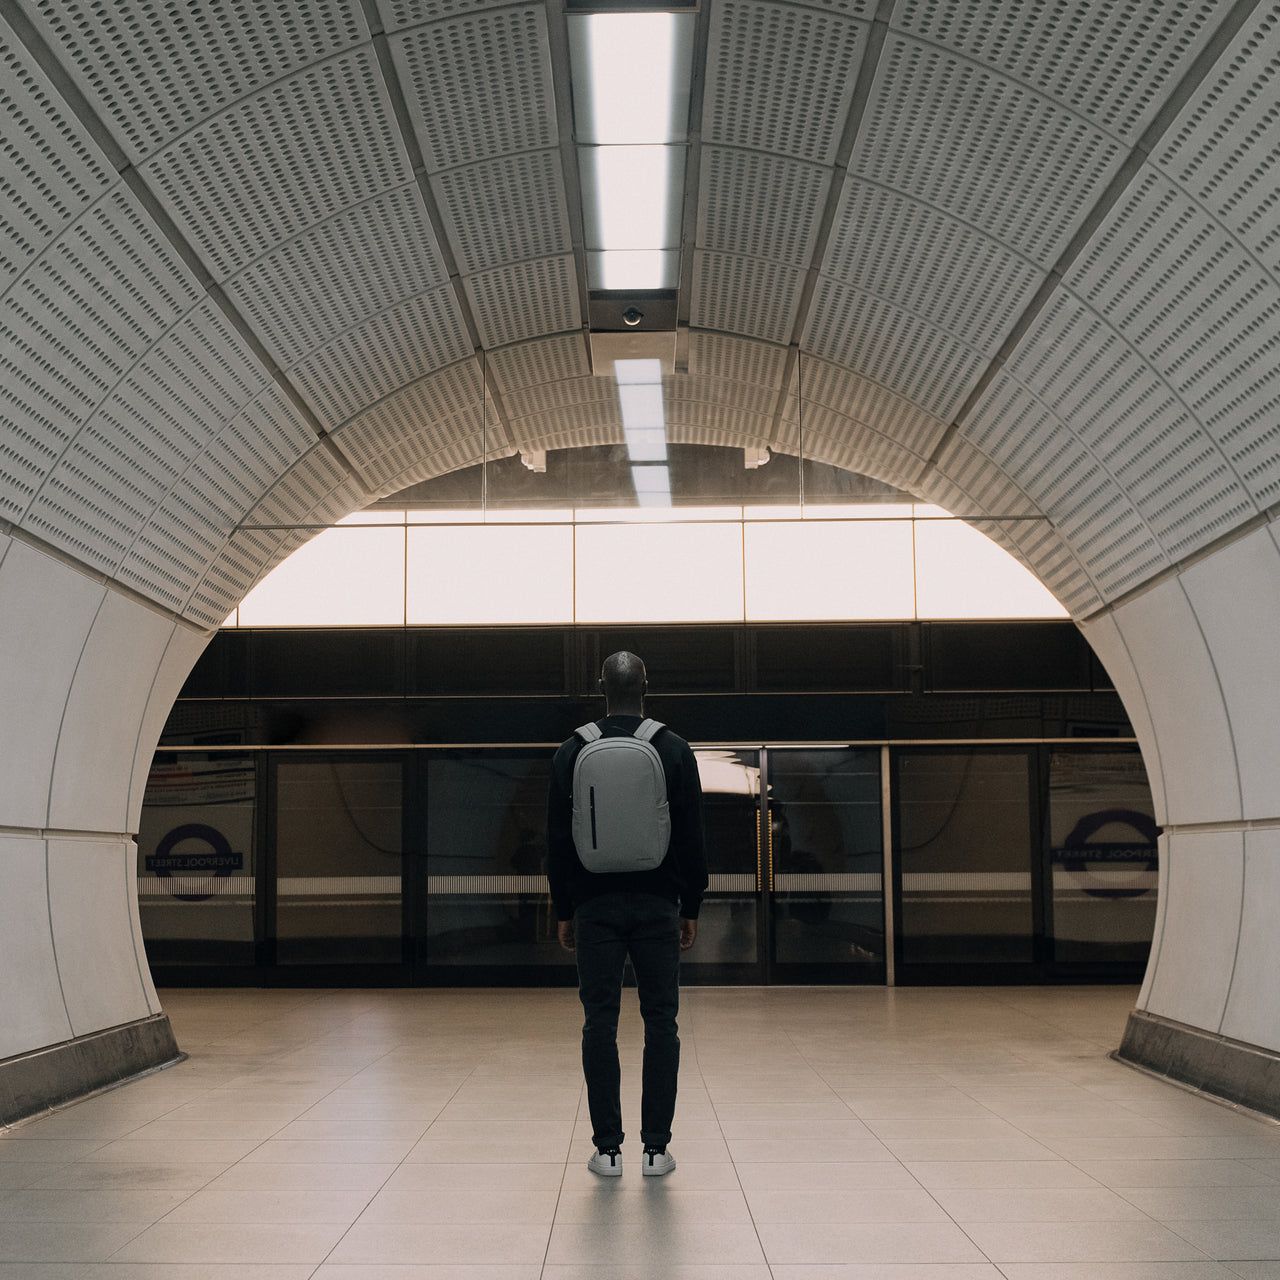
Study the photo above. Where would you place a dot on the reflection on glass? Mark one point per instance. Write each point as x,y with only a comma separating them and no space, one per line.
964,840
727,928
196,859
338,858
825,838
1103,833
488,903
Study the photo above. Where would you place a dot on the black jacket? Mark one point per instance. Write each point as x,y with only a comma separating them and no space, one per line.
682,877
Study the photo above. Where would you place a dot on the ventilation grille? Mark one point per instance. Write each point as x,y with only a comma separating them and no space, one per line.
928,264
779,78
479,86
918,361
572,428
865,402
1113,63
761,206
398,14
358,264
719,355
506,211
553,396
1020,434
213,496
952,135
392,452
1237,183
381,355
524,300
749,296
49,173
72,327
117,468
1194,306
155,70
545,360
295,155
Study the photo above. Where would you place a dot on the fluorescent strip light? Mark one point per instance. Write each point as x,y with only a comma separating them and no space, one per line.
631,78
653,486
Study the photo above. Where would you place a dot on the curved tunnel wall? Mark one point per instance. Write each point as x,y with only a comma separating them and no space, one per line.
87,676
1195,661
261,274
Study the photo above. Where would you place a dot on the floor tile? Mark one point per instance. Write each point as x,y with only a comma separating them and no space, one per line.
444,1243
188,1242
840,1243
1006,1242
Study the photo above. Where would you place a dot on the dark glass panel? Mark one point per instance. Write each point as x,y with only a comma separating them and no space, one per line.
339,855
824,811
196,859
1102,831
809,659
963,835
677,659
1006,655
488,662
488,902
352,663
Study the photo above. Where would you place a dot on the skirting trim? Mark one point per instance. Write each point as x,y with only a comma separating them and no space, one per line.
1230,1069
35,1082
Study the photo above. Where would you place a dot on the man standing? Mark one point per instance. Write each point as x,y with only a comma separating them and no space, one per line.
606,914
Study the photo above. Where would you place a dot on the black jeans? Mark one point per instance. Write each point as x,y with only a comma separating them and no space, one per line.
607,929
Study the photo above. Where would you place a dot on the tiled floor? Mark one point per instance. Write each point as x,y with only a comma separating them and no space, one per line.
822,1134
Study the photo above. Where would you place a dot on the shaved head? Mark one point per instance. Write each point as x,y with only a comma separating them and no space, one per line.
624,683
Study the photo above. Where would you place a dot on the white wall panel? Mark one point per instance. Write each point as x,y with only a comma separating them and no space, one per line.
1236,596
30,994
1203,891
90,885
1104,636
180,655
1197,754
46,610
1253,1006
1157,933
93,765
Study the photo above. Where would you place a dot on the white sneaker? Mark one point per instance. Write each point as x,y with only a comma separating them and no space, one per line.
657,1162
607,1163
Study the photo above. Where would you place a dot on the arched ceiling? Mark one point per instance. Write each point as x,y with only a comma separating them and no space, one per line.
264,262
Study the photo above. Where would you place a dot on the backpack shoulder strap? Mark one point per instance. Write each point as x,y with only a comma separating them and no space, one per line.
648,730
588,732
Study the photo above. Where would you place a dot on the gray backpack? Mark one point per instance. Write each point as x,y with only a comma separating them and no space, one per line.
620,816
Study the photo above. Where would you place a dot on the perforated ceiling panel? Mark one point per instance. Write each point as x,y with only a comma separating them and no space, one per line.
213,495
922,362
50,173
982,148
398,14
866,402
532,364
479,85
573,428
72,327
313,493
760,205
1114,63
506,210
929,265
717,355
548,397
747,296
155,70
377,357
280,162
780,78
333,276
525,300
117,469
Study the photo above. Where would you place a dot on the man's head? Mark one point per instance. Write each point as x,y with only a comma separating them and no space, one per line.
623,683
